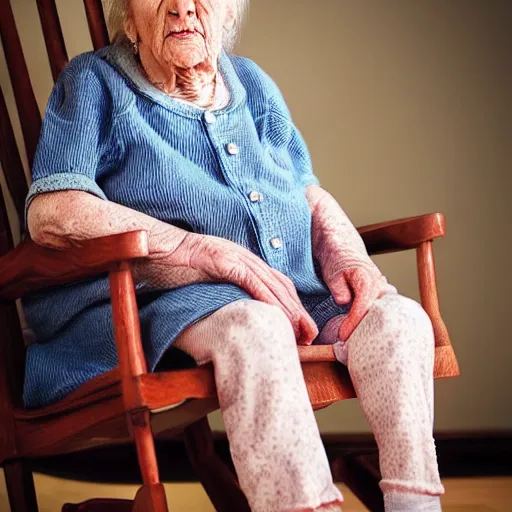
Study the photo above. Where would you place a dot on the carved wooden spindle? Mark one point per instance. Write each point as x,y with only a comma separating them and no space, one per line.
428,292
26,103
132,363
97,24
11,163
52,31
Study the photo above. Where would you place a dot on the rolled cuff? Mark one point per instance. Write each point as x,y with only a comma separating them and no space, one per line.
60,182
307,180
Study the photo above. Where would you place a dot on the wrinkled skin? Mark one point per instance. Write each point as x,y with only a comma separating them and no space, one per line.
348,271
177,257
179,42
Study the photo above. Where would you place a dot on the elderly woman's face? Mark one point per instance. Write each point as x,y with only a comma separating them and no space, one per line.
183,33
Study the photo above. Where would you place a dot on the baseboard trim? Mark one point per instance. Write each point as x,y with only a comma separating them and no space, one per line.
460,454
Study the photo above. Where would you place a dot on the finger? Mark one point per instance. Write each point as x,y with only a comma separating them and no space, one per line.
259,290
309,329
287,282
281,286
363,299
285,301
238,265
308,332
340,291
286,294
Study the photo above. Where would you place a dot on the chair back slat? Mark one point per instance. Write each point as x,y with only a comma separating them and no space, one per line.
6,239
53,37
11,163
97,24
12,346
26,103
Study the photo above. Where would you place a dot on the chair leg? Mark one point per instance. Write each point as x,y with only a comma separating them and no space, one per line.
218,481
20,487
151,496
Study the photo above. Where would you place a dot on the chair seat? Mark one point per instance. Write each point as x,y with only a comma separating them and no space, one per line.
176,398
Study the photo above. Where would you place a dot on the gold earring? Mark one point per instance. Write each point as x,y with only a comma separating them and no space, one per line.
135,47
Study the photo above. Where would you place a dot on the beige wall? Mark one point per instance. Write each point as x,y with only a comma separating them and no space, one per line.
406,107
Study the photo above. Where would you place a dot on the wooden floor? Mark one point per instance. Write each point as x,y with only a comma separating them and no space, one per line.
462,495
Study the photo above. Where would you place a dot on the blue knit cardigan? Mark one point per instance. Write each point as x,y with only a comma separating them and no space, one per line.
239,173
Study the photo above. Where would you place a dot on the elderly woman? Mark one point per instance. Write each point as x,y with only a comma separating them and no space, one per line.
167,132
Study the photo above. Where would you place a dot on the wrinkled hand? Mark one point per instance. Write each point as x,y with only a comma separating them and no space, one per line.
359,282
218,259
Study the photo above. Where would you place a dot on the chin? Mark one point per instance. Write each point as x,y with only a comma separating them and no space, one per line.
185,56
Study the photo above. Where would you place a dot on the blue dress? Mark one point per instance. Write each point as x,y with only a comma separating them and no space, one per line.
109,132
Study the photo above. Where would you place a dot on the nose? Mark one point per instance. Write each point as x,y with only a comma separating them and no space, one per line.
182,9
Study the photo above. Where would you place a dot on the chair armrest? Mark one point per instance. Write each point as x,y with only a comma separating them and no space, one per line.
402,234
31,267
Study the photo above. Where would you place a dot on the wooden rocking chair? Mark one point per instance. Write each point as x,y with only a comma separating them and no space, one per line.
129,404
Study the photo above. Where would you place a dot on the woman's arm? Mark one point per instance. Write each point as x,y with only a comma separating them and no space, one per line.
177,257
333,233
347,269
58,219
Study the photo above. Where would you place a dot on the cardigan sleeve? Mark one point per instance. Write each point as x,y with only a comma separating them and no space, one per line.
286,141
288,144
75,137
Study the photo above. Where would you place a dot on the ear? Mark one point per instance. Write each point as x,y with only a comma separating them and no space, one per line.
130,29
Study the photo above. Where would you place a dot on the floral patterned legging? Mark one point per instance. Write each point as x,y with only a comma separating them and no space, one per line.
274,438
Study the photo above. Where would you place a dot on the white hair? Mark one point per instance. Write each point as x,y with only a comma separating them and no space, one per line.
115,13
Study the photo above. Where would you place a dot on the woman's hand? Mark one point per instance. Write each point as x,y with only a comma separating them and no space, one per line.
217,259
356,280
177,258
347,269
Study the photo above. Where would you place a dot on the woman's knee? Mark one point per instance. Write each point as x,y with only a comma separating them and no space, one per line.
394,320
256,325
243,328
407,311
403,319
